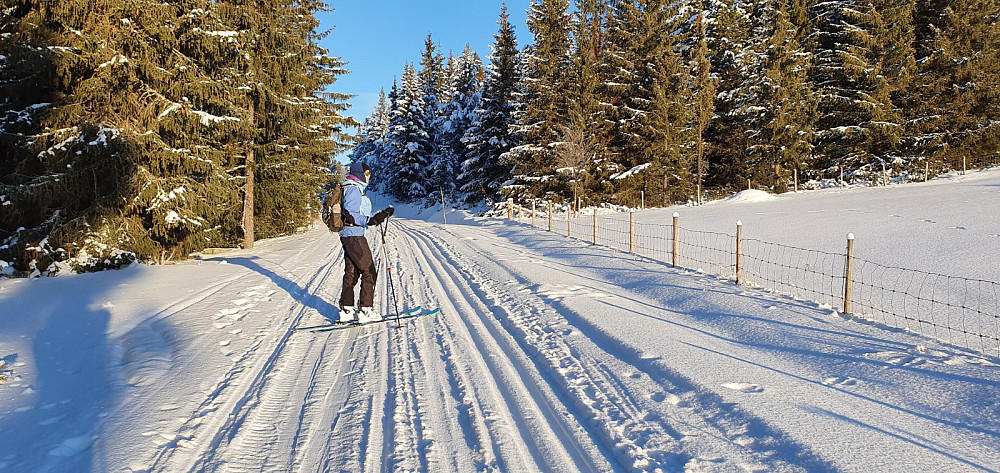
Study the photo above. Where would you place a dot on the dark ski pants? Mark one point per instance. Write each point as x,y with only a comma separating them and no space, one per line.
358,262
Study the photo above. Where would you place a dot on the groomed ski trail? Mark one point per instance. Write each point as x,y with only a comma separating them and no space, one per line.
511,375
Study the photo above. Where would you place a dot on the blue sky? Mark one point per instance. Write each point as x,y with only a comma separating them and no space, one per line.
377,38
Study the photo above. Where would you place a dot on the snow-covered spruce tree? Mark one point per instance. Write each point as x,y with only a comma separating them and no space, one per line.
293,127
779,108
484,171
648,92
958,83
458,117
148,112
436,172
584,109
547,64
90,166
371,150
861,60
409,139
703,99
726,136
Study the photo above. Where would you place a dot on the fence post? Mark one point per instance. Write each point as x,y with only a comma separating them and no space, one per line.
964,166
739,252
631,232
444,208
796,172
510,209
595,226
927,169
532,213
642,200
569,222
676,239
849,276
550,215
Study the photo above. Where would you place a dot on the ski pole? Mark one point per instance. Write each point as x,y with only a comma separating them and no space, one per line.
388,270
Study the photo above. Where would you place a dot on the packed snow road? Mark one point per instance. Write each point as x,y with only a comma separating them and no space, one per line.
548,354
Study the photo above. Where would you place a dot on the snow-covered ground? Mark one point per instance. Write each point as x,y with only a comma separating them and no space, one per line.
549,354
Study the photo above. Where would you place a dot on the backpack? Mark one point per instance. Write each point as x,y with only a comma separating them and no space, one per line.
333,208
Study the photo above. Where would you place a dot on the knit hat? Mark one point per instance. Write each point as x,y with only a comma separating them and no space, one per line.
360,170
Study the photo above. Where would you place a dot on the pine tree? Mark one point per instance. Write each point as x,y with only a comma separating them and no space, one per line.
485,170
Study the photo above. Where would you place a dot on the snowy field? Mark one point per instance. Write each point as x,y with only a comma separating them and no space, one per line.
549,354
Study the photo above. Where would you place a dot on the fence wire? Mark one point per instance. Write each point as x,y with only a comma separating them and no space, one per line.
961,311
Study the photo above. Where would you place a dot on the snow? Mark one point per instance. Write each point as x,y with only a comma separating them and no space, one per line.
549,354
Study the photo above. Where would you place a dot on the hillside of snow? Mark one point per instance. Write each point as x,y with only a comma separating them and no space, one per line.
549,353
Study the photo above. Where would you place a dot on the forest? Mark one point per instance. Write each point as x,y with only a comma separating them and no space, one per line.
620,102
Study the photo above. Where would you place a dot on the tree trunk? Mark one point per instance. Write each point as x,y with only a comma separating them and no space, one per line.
248,236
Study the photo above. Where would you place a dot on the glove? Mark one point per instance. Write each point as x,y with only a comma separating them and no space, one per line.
348,219
380,216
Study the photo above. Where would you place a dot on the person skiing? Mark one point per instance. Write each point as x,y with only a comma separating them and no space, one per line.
358,261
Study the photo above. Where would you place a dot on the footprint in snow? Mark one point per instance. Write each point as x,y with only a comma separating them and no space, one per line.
840,381
959,228
744,387
928,221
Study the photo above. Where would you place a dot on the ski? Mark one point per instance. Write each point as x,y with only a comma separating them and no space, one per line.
409,314
343,325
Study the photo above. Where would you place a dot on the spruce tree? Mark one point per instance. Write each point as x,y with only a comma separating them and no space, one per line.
485,169
151,114
547,85
958,82
371,150
862,58
648,95
458,116
409,139
779,109
586,77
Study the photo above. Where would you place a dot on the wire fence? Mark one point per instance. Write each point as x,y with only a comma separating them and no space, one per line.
961,311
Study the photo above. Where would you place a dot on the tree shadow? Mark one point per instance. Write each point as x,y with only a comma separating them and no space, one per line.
294,288
65,369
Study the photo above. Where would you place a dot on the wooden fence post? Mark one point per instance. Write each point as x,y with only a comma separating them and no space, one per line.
739,252
964,166
444,208
796,172
642,200
927,169
849,274
569,222
550,215
631,232
532,213
595,225
676,239
510,209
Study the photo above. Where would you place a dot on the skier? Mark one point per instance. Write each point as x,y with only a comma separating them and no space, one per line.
358,259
